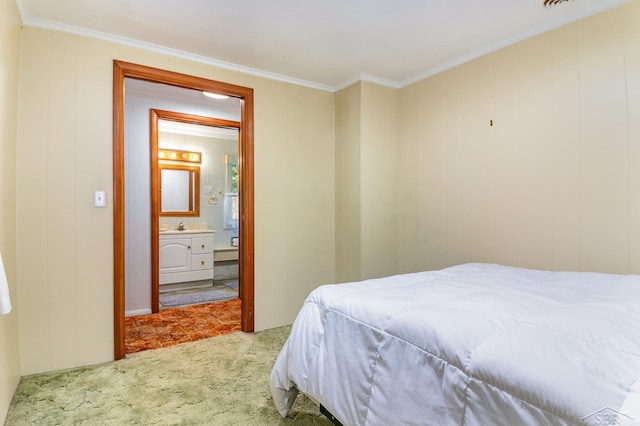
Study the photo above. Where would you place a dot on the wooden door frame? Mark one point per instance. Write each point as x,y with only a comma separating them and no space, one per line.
121,70
155,115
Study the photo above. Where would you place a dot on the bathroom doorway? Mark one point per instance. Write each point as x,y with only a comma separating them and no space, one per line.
124,70
183,144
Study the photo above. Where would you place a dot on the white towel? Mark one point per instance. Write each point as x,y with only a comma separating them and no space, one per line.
5,302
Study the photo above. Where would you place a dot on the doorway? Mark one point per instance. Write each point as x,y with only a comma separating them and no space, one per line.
157,116
122,70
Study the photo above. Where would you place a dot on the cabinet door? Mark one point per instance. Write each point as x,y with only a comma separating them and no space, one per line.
202,245
175,255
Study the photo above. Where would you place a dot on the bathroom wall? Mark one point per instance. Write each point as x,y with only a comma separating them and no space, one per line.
213,177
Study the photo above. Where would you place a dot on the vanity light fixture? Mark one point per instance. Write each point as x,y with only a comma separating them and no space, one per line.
215,95
171,155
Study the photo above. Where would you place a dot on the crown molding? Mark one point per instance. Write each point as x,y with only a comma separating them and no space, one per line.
557,23
40,23
554,23
23,10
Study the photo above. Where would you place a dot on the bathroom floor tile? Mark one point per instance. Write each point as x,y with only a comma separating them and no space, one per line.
173,326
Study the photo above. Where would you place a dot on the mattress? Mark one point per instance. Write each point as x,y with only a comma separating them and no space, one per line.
474,344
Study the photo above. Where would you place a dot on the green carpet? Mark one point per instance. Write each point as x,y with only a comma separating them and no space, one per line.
219,381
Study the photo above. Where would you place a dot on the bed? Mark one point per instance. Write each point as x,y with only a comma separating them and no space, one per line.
473,344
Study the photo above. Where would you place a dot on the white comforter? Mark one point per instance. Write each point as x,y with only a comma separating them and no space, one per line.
474,344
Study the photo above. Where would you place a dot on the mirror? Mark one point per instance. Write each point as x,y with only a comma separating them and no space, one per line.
179,190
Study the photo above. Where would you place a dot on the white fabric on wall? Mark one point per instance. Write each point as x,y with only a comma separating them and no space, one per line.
230,212
5,301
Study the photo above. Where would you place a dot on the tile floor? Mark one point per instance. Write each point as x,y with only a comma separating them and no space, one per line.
175,325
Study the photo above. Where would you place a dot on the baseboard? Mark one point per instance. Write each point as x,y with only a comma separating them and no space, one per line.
137,312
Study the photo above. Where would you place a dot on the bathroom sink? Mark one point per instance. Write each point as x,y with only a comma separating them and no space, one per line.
186,231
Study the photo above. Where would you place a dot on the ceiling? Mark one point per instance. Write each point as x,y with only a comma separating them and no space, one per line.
196,102
326,44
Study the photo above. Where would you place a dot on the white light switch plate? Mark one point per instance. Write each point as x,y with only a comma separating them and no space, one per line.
100,199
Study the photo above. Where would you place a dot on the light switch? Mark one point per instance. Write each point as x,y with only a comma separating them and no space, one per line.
100,199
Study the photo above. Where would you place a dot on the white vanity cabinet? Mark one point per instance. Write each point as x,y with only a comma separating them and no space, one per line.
185,256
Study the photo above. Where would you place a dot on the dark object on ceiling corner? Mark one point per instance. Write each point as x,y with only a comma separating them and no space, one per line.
548,3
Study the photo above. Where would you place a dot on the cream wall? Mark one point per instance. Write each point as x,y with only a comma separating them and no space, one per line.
9,62
294,197
65,246
348,208
555,182
367,137
379,180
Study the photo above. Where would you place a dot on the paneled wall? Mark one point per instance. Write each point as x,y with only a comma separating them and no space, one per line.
529,156
366,182
9,63
65,245
348,207
379,183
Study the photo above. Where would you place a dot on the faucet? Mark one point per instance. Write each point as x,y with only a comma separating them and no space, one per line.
181,227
